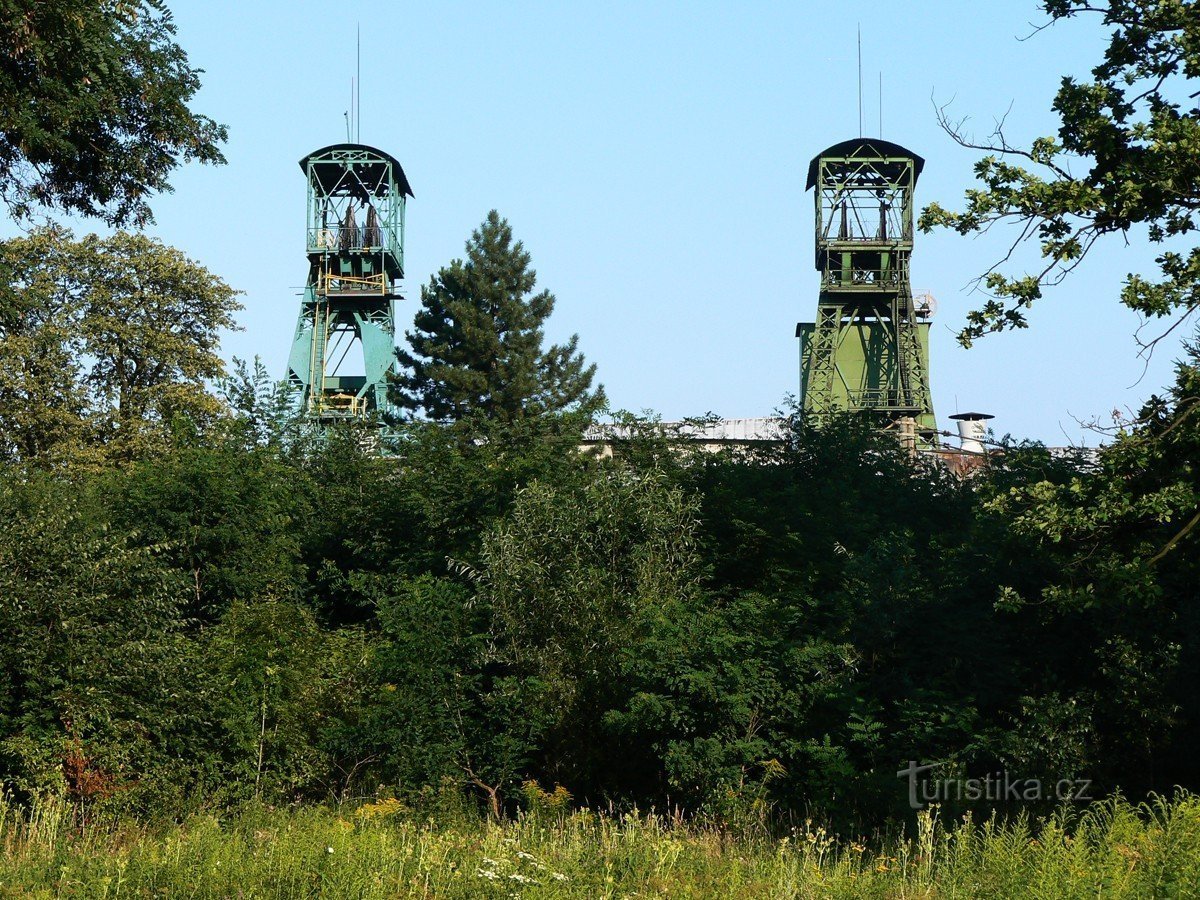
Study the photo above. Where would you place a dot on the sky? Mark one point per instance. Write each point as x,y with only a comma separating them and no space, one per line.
652,157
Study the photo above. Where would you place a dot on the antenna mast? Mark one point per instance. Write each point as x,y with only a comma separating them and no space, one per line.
358,81
860,127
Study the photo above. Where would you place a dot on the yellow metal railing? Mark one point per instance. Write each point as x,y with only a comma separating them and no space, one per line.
331,283
344,403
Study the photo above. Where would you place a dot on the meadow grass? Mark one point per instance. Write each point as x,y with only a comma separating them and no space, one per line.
1112,849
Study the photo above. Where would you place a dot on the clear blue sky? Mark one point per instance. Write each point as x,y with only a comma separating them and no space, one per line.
652,158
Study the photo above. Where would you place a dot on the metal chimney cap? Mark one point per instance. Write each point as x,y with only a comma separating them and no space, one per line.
972,416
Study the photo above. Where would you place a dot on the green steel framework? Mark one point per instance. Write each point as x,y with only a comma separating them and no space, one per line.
355,246
868,349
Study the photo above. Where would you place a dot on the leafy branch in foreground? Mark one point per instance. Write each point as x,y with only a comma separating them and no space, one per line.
94,111
1130,125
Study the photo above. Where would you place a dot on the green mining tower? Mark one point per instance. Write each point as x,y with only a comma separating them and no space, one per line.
345,344
868,349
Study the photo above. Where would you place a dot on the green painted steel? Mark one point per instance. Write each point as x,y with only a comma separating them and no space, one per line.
344,347
868,348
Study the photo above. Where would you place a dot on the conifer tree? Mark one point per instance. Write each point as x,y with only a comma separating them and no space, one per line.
476,343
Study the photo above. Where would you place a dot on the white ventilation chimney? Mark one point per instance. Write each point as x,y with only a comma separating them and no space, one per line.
972,431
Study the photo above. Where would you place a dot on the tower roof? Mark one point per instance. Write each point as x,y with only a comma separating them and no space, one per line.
370,172
874,147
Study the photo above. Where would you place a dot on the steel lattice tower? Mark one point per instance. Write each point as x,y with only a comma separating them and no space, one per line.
868,349
355,247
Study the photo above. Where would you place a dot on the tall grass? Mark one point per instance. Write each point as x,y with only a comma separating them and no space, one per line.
1113,849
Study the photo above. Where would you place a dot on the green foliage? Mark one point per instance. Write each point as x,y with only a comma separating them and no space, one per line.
745,632
94,111
1116,539
571,580
428,680
44,401
106,346
200,606
151,322
477,340
510,673
225,517
268,684
265,410
808,666
203,604
87,647
1140,143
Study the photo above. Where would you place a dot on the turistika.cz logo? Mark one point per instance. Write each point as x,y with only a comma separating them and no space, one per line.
998,788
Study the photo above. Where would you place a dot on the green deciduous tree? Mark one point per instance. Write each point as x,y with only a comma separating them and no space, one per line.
1135,125
507,676
44,400
94,109
429,719
265,410
152,324
571,578
225,517
88,644
477,340
268,684
105,342
1110,689
847,621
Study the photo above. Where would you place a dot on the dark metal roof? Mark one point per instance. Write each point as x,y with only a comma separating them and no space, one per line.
874,146
369,173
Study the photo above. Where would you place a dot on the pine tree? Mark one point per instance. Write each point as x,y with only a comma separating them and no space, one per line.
476,343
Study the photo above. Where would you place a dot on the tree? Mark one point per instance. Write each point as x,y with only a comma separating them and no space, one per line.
477,340
224,516
806,666
514,683
1109,570
93,107
1110,686
105,341
43,395
265,410
572,577
1130,125
152,326
88,637
270,676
